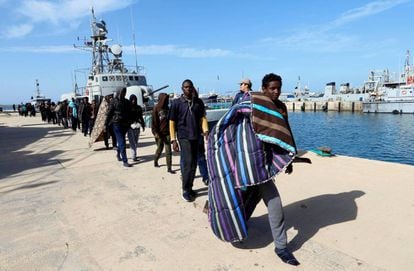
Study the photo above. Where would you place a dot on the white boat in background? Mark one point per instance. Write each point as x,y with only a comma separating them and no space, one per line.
215,109
392,95
108,72
38,99
210,97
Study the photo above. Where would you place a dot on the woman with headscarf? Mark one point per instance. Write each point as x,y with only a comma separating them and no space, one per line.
161,131
135,129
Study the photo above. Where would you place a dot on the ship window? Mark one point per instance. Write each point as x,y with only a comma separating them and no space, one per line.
125,78
136,78
111,78
131,78
104,78
118,78
96,79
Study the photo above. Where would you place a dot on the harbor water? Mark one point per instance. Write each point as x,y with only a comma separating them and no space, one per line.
384,137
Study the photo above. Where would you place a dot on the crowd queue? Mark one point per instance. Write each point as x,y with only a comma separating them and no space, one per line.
243,154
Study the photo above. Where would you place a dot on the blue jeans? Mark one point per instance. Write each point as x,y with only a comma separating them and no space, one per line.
201,160
120,132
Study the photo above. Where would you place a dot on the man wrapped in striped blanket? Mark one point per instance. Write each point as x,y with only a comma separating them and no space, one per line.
249,146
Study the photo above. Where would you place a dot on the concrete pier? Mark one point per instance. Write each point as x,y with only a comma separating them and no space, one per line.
312,106
65,206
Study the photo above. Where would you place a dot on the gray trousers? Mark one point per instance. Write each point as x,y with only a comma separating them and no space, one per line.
133,137
268,192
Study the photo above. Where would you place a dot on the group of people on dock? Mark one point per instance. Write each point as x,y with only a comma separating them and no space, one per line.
247,148
74,114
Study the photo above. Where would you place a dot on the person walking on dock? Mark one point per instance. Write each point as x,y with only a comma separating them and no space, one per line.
135,128
187,121
252,143
160,130
94,113
72,114
119,115
85,115
63,114
109,131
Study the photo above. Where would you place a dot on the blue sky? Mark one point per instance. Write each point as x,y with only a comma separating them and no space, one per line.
214,43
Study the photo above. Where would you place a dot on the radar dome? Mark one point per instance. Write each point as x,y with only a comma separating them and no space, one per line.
116,50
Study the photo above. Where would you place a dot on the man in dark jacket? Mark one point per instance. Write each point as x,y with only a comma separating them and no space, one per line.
161,132
119,115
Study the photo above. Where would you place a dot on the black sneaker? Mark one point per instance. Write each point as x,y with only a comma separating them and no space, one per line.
193,193
156,164
136,159
286,256
187,196
118,158
127,164
171,171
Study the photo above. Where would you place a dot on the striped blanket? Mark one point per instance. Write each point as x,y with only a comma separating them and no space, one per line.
250,144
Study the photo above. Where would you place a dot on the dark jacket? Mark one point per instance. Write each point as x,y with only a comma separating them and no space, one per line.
239,97
160,122
119,112
85,111
136,114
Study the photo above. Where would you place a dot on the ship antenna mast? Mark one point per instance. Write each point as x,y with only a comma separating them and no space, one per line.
407,60
93,23
133,39
37,88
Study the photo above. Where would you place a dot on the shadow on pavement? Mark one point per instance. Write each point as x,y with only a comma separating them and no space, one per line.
15,160
28,186
307,216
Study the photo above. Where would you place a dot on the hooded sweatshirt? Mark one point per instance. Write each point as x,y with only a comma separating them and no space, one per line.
160,116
